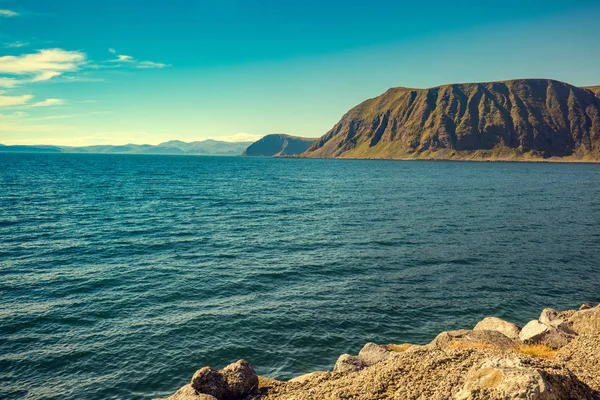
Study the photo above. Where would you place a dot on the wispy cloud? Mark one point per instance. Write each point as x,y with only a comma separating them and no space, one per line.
49,103
151,64
16,45
125,59
42,65
9,82
8,13
6,101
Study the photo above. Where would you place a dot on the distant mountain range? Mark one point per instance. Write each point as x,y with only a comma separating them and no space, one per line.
205,147
511,120
277,145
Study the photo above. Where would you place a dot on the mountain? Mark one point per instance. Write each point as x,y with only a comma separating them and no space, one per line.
205,147
517,119
29,149
278,145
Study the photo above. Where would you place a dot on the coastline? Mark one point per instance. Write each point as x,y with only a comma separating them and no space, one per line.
556,356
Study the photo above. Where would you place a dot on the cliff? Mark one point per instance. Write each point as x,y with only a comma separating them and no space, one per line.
278,145
518,119
554,357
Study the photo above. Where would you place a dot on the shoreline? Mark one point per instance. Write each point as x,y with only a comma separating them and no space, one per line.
554,357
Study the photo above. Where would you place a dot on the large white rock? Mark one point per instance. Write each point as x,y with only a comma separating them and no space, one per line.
348,363
508,378
373,353
533,332
499,325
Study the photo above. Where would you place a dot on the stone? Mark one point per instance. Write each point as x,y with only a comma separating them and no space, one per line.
553,318
548,315
187,392
509,378
372,354
266,382
533,332
207,380
586,321
585,306
509,329
348,363
537,333
241,379
317,375
467,338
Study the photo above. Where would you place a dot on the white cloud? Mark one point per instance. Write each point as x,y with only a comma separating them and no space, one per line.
6,101
8,13
15,45
113,51
45,76
124,58
42,65
8,82
151,64
49,103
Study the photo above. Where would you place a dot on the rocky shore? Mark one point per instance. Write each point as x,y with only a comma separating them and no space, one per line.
555,357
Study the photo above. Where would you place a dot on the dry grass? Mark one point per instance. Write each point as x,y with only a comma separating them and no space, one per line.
537,350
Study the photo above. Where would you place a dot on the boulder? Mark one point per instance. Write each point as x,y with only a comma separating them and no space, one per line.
553,318
313,376
586,321
266,382
585,306
509,329
548,315
348,363
208,380
537,333
467,338
241,379
509,378
372,354
187,392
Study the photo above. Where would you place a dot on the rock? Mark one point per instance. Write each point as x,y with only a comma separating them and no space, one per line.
187,392
266,382
533,332
537,333
548,315
585,306
208,380
348,363
586,321
309,377
552,318
509,329
467,338
509,378
241,379
372,354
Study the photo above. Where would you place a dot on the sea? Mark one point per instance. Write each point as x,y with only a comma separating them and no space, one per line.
121,275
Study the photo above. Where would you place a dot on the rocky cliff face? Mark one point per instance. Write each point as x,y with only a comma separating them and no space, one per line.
278,145
528,118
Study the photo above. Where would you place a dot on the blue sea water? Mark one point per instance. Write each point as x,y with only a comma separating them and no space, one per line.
120,275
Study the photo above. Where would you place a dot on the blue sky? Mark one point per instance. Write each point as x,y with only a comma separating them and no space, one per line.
90,72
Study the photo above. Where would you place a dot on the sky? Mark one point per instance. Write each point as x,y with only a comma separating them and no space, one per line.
78,73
